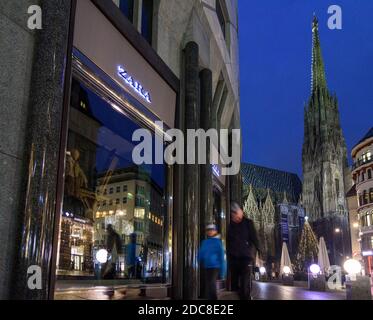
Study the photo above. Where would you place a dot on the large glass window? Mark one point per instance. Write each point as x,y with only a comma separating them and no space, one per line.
126,6
366,197
100,171
147,20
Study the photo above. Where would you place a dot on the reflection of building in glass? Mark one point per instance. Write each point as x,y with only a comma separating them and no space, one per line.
75,244
272,200
133,204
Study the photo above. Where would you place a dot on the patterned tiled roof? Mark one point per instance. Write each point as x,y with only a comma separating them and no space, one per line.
275,180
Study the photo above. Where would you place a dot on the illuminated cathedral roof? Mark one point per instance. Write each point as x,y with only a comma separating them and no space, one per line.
275,180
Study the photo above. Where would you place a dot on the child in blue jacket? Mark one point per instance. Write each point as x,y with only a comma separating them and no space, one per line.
212,258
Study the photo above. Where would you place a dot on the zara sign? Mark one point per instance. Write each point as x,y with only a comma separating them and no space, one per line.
134,84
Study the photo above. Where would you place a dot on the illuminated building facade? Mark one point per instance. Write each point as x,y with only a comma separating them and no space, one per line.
362,173
272,199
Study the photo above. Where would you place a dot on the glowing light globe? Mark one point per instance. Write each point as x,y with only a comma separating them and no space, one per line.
352,266
262,270
102,256
315,269
286,270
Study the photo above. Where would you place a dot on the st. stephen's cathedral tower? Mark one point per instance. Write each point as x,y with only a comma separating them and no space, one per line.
325,167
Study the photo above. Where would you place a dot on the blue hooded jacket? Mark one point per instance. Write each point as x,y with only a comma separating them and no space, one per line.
212,256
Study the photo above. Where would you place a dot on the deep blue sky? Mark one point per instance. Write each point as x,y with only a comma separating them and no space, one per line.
275,66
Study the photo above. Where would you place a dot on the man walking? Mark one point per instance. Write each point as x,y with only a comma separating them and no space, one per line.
242,245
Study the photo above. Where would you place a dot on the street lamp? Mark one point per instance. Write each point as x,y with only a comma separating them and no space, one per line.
357,288
316,281
287,270
102,256
315,269
353,267
262,271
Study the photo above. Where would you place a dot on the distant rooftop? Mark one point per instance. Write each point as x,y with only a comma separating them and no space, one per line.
351,192
367,136
275,180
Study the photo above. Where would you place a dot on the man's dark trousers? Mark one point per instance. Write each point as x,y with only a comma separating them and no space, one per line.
211,276
241,269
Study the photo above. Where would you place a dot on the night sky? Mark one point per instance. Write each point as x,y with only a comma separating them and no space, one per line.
275,66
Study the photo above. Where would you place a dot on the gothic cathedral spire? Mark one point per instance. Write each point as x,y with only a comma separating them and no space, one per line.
324,153
318,79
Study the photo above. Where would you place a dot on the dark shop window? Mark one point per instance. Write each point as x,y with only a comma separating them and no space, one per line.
147,20
126,6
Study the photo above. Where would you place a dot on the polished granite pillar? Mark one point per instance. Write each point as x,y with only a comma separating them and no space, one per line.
236,180
38,204
206,214
206,200
191,177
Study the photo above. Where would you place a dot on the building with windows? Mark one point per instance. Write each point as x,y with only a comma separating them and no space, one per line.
272,199
133,204
112,67
362,173
353,216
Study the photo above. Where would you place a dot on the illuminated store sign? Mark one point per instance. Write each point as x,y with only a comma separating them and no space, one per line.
134,84
216,170
367,253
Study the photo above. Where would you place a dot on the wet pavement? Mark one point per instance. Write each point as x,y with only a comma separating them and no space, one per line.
261,291
112,293
276,291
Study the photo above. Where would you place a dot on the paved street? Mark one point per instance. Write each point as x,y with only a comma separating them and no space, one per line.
261,291
276,291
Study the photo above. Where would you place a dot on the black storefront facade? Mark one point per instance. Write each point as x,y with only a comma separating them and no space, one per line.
96,81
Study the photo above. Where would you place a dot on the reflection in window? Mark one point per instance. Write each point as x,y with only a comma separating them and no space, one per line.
99,163
147,20
139,213
126,6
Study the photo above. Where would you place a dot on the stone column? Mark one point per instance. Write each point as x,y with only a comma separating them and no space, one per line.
206,170
206,201
235,181
38,204
191,180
